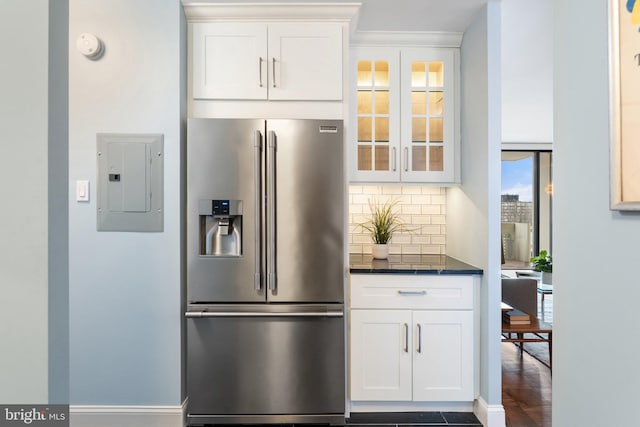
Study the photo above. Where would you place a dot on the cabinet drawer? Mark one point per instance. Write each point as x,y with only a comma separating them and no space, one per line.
391,291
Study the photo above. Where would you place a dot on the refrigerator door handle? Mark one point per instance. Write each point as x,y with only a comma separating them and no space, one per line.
203,314
271,197
257,144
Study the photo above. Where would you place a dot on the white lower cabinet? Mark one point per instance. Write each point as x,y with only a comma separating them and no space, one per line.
411,354
381,355
443,356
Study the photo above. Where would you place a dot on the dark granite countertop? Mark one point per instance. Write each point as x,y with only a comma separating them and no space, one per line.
410,264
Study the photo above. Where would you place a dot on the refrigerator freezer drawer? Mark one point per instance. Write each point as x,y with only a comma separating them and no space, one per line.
262,365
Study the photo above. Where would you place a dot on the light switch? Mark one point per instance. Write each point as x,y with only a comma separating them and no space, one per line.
82,191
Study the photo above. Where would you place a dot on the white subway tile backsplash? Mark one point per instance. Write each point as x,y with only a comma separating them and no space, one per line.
401,238
411,189
361,199
431,209
361,238
439,200
427,189
371,189
438,219
430,229
422,239
431,250
421,208
391,189
420,199
438,240
410,249
421,219
411,209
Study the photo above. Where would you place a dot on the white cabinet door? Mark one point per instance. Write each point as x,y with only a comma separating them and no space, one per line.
406,117
259,61
428,115
443,356
305,61
229,61
381,355
375,150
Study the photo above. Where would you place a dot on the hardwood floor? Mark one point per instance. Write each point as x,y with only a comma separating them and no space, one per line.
526,389
526,382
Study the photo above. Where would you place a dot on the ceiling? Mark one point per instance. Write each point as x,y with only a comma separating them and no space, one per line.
402,15
418,15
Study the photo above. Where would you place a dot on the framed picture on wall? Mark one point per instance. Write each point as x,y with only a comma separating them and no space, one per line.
624,59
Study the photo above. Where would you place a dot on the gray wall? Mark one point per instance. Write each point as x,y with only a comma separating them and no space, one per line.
58,201
24,227
473,209
597,289
527,71
125,288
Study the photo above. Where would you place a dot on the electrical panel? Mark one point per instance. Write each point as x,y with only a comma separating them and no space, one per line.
130,182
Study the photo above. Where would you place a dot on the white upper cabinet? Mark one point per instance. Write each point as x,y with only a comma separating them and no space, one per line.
305,61
405,115
259,61
229,61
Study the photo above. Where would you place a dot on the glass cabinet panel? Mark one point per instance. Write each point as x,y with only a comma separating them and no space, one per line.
381,73
427,121
435,73
402,115
373,115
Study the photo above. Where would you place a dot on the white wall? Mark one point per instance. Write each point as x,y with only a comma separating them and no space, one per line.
23,217
473,209
125,288
595,351
527,71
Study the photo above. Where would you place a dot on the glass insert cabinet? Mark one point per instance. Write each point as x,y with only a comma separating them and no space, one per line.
405,125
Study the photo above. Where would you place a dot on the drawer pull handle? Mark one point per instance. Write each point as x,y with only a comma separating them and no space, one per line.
408,293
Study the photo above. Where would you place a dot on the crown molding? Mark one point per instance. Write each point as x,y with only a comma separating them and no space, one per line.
407,38
199,11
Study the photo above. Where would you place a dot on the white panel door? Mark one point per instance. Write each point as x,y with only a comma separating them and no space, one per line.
381,355
305,61
229,61
443,356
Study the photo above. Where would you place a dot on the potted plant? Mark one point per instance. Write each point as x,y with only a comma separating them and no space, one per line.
383,223
544,264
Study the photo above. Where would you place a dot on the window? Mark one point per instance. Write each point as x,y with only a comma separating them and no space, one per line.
526,205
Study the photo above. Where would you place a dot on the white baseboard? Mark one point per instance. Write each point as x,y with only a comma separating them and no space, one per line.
380,406
127,416
489,415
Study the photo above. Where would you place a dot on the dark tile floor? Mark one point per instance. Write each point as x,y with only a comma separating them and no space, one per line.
413,419
397,419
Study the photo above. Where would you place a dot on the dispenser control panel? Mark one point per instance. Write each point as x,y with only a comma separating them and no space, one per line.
220,207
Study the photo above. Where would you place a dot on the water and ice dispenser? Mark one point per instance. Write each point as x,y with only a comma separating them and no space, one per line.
220,227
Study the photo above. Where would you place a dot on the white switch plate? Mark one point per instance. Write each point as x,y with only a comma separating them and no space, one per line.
82,191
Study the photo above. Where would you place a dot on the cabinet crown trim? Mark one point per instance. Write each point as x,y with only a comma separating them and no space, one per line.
407,38
199,11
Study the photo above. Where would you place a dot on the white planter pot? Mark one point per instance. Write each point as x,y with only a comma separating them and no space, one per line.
380,251
546,278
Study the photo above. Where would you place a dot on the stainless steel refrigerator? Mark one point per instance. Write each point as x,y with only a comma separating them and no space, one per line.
265,275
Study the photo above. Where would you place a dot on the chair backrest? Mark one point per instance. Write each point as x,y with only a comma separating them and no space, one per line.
521,293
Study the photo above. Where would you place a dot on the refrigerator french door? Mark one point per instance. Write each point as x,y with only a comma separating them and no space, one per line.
265,278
